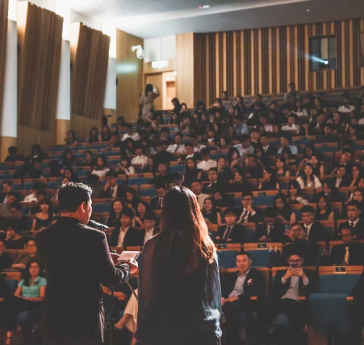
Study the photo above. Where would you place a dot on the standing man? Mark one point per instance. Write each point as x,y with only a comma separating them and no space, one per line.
77,261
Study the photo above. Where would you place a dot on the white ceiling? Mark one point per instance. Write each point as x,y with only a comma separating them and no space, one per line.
150,18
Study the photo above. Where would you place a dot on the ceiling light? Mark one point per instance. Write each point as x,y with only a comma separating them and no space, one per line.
203,7
175,72
308,10
206,6
326,62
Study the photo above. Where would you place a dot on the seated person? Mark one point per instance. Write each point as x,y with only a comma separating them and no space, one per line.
4,209
17,221
190,153
232,232
41,194
348,253
323,210
330,192
272,230
115,142
270,181
126,236
298,236
270,150
13,240
112,188
140,160
244,147
31,289
5,190
116,209
314,230
130,133
156,202
5,259
248,213
206,163
22,260
214,185
94,184
288,286
211,216
328,136
223,200
125,167
345,161
35,169
163,177
196,188
44,218
284,212
150,228
177,147
286,143
237,289
162,155
32,197
357,224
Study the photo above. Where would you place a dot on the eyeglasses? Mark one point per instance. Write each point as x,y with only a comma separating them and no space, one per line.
295,261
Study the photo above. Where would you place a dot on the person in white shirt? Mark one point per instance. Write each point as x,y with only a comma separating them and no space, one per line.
308,179
197,190
206,163
140,161
300,111
124,166
101,167
196,146
346,107
244,147
291,126
264,122
177,147
32,197
149,226
130,134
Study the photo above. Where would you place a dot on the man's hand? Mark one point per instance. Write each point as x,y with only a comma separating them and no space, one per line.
263,239
107,185
223,301
290,234
250,208
233,298
106,290
299,272
133,266
288,274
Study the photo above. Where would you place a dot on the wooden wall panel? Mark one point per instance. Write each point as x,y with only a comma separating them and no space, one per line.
265,60
3,40
129,73
40,42
89,59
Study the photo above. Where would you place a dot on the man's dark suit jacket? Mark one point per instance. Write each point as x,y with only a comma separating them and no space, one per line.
358,229
19,224
356,254
279,289
119,192
257,218
237,234
345,182
132,238
77,260
272,150
316,233
302,247
154,204
218,186
257,288
275,235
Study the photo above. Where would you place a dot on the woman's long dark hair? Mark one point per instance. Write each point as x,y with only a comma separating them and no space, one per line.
148,88
93,138
112,213
328,206
65,161
304,176
26,274
183,224
295,185
50,207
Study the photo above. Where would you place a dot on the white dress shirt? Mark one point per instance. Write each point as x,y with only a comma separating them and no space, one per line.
293,291
353,223
239,285
344,109
337,182
198,147
143,160
30,198
176,148
134,136
122,236
114,191
291,128
245,215
201,199
206,165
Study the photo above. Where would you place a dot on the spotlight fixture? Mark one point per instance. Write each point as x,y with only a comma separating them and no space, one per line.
326,62
203,7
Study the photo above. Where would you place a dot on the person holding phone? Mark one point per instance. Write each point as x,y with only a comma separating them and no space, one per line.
288,286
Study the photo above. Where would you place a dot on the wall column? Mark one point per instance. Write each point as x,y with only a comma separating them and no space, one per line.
63,115
110,91
8,135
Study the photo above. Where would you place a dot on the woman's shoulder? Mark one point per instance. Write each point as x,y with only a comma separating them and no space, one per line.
42,281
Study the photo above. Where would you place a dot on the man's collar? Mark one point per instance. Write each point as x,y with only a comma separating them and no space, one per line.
308,226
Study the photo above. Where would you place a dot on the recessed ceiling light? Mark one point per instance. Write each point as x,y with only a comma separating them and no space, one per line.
206,6
308,10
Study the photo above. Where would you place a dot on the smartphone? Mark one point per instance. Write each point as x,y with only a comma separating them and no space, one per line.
294,266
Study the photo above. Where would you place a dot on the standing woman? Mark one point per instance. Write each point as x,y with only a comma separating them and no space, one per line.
147,98
179,285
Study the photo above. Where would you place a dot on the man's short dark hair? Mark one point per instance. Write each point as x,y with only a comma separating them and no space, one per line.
111,173
229,211
15,194
150,216
189,144
348,228
244,138
353,203
72,195
269,212
160,185
243,195
127,212
286,136
244,253
17,205
12,150
214,169
205,151
196,181
42,192
307,209
6,182
129,126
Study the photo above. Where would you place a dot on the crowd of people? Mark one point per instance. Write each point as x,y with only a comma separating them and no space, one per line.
230,152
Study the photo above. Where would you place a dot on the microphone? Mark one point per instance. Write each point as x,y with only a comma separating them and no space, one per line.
94,224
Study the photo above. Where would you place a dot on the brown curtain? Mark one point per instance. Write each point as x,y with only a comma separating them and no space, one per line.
89,71
40,42
3,39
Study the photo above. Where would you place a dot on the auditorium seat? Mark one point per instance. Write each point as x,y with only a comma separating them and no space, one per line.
264,254
102,207
227,258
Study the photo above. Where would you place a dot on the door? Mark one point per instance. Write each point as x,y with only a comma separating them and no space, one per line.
156,81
